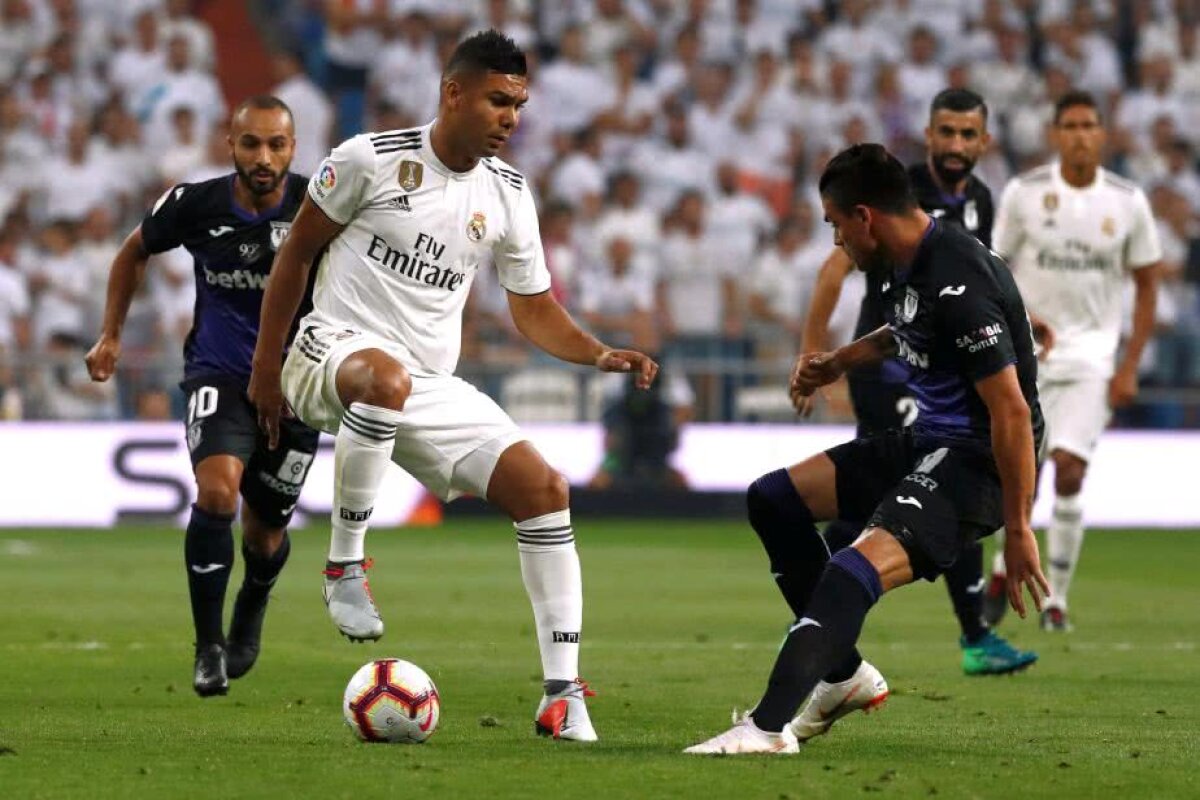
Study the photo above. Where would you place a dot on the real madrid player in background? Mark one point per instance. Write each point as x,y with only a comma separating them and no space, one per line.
1073,232
963,469
404,220
955,138
232,225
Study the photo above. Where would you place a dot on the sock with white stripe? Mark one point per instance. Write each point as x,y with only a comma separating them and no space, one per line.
1063,542
998,565
361,454
550,569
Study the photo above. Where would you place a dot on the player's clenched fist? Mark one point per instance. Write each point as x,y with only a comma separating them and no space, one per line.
101,360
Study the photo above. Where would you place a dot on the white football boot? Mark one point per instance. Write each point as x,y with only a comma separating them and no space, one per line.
746,737
564,714
348,597
865,691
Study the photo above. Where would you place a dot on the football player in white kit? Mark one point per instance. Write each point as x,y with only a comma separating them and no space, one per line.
1073,232
404,220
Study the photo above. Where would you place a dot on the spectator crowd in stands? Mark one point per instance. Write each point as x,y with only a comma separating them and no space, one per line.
673,146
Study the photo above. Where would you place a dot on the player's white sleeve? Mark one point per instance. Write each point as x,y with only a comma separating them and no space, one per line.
340,185
1143,248
1007,231
520,261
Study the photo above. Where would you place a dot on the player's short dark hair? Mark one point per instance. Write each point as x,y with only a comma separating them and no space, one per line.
263,102
487,51
867,175
1073,98
958,101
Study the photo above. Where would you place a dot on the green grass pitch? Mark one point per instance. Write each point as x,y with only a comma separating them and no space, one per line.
682,622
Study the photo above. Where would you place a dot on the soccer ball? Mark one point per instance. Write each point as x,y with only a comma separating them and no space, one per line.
390,700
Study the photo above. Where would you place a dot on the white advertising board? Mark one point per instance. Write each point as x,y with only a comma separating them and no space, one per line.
96,475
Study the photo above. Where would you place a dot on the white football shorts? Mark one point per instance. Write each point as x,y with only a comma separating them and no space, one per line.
1076,414
450,435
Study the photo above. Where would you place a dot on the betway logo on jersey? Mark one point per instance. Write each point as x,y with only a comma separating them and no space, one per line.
236,279
413,265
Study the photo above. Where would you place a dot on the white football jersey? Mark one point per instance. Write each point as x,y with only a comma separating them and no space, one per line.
1070,250
416,233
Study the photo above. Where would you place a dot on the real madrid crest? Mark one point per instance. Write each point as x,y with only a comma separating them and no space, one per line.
411,173
1109,226
1050,201
477,227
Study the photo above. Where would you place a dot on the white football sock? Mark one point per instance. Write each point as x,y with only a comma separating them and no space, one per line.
360,456
550,569
1063,542
998,565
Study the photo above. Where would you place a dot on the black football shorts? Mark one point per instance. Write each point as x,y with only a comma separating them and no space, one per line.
222,421
933,499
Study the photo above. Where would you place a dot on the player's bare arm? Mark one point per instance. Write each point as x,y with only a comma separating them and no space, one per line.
825,296
1012,447
311,231
814,370
124,278
1123,387
541,320
826,293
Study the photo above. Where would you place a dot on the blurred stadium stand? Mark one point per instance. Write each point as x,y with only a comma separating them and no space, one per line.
673,146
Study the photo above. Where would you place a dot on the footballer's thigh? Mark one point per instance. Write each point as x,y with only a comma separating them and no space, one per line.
453,437
310,375
222,428
273,479
1076,413
850,480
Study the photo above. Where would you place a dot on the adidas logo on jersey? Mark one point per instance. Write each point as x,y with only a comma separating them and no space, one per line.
400,202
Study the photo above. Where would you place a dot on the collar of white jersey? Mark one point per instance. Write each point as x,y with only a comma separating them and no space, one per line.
436,163
1061,183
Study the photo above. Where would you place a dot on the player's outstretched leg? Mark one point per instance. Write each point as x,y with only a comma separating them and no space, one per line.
1064,538
373,388
263,566
536,497
208,552
819,641
983,651
797,553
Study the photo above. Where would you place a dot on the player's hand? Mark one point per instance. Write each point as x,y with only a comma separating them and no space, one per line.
1024,568
1043,334
266,394
102,359
1123,388
805,404
644,367
812,371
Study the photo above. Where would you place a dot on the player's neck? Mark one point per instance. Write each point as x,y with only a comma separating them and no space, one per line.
257,203
443,147
908,231
1079,176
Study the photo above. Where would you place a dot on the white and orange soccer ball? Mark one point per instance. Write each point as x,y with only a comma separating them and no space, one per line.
391,700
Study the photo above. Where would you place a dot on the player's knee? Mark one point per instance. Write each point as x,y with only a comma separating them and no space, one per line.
783,520
556,490
217,497
374,379
1069,472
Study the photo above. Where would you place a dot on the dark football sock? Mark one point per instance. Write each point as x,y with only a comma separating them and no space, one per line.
821,639
785,525
964,582
261,573
208,554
